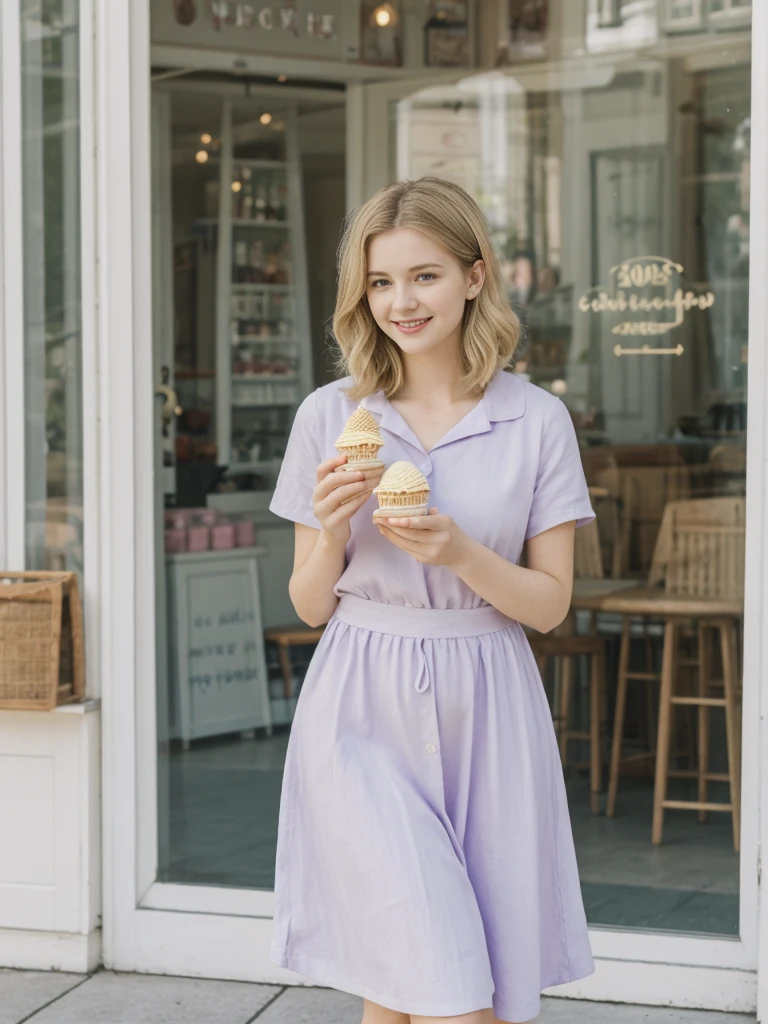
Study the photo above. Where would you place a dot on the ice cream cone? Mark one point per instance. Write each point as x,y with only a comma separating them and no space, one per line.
360,442
402,491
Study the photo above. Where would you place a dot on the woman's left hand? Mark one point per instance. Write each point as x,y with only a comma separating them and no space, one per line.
433,539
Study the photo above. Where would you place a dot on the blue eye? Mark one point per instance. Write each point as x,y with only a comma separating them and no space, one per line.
378,281
426,274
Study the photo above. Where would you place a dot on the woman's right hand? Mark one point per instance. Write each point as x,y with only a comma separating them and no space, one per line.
338,496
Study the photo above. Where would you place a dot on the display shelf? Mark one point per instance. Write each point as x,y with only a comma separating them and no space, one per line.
255,163
249,378
244,286
253,467
242,222
262,287
264,405
276,339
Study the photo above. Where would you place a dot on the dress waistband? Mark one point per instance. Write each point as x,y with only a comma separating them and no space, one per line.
432,623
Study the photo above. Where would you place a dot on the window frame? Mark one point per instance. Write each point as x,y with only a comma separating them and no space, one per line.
13,525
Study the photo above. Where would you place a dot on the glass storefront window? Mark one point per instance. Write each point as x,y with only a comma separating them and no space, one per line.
52,310
618,195
609,147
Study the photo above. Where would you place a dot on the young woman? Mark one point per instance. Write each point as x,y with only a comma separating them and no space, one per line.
425,858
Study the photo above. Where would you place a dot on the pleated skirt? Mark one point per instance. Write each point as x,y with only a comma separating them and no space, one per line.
425,858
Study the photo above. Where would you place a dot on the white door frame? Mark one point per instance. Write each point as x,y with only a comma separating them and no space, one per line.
204,931
12,438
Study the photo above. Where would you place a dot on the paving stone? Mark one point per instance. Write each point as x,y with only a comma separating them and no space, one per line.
23,992
571,1011
109,998
299,1005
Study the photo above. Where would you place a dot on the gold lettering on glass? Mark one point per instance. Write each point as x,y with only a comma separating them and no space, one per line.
646,285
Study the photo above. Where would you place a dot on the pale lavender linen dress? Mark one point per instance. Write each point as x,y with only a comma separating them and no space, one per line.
425,858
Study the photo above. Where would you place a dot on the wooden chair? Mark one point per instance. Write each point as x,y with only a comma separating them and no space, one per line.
605,487
646,492
285,637
699,558
567,648
587,556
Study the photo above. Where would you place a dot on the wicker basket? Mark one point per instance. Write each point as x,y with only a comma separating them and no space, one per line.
41,640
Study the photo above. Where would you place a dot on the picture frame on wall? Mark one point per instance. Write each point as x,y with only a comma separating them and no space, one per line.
527,31
446,34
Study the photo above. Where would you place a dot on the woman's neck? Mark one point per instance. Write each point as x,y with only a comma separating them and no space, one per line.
432,380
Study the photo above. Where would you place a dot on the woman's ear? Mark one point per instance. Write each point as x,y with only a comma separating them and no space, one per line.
476,279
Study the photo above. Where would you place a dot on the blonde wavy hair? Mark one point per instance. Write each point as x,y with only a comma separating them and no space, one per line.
450,217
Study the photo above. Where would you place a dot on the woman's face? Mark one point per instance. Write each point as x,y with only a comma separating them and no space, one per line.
417,290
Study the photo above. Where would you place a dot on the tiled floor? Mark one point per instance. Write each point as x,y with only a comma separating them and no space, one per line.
224,807
109,998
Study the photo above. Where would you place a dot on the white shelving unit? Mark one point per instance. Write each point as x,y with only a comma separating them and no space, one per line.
263,346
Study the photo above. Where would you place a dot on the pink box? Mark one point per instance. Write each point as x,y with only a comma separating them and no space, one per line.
222,537
175,540
244,534
198,538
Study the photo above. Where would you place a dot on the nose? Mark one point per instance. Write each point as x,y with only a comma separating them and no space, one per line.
405,301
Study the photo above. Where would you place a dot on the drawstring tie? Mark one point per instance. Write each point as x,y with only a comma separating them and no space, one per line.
422,680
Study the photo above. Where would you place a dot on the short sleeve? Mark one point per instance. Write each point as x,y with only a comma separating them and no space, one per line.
560,494
296,480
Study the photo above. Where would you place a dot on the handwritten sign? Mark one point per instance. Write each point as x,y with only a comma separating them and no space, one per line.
217,643
649,294
219,655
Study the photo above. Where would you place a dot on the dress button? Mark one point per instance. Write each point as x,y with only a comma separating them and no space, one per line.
431,748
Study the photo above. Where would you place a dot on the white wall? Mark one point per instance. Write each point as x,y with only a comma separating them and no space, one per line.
50,872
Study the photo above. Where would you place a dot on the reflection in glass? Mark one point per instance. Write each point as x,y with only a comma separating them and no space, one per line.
619,203
616,186
52,314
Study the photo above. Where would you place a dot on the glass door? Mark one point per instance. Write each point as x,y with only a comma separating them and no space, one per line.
234,355
616,182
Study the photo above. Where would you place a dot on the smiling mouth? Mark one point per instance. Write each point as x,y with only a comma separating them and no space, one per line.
411,323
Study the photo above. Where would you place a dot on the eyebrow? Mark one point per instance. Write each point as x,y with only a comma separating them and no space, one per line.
421,266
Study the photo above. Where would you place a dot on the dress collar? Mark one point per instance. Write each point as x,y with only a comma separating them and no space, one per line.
504,399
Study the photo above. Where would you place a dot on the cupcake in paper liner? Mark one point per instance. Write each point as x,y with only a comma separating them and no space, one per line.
403,491
360,442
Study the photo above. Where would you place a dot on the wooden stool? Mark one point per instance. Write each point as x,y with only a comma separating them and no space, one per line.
725,630
285,637
624,677
568,647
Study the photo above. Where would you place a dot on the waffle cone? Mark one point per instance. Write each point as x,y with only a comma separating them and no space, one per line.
361,431
402,491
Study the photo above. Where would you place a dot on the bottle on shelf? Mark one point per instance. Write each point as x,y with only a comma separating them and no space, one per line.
241,262
272,269
260,202
273,203
282,205
258,273
283,274
246,206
